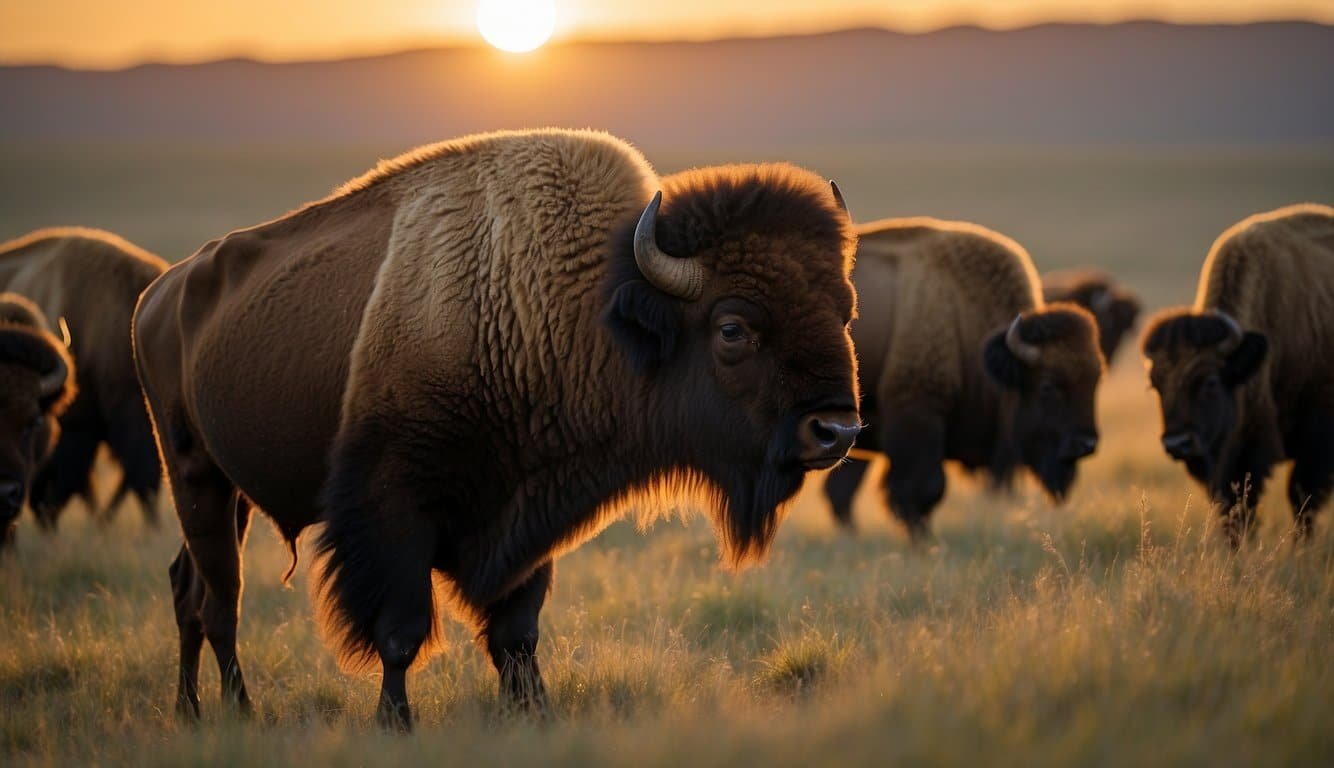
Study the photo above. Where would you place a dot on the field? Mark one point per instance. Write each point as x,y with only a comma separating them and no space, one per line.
1114,630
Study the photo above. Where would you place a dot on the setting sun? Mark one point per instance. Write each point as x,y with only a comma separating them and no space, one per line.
516,26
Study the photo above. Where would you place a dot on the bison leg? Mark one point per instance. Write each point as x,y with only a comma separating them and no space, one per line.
510,630
188,596
1312,478
214,519
840,486
915,482
130,438
66,474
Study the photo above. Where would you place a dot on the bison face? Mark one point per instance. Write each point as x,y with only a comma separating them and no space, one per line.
35,387
1197,364
745,340
1050,364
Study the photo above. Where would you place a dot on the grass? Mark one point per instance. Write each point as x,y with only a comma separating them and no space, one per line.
1115,630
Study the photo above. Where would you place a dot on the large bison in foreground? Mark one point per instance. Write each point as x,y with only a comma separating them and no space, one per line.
36,386
1244,376
1114,308
473,359
960,359
91,279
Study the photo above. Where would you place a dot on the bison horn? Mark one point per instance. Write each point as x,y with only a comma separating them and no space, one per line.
1234,334
683,278
838,196
1028,353
64,333
53,380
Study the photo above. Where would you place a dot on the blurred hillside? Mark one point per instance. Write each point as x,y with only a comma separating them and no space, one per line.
1132,83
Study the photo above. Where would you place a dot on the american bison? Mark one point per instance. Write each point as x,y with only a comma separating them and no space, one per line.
1243,377
36,386
1113,307
473,359
92,280
961,360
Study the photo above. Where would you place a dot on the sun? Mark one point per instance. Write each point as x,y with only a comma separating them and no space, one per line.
516,26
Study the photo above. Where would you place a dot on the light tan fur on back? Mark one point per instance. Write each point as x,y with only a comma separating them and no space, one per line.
1274,273
954,283
455,291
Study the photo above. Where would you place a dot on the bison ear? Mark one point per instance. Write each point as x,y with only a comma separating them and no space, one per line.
644,321
1245,360
1001,363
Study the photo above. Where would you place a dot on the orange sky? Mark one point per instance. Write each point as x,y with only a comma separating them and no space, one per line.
103,33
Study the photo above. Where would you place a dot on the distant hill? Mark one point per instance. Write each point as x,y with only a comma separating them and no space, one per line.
1137,82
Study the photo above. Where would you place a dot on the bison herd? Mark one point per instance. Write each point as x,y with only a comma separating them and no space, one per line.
478,355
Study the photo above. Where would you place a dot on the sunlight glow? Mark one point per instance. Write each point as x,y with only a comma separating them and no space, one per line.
516,26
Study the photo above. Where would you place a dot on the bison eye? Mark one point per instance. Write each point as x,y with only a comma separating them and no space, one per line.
732,332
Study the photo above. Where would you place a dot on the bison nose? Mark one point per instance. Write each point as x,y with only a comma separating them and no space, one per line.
1180,445
11,498
1079,445
826,437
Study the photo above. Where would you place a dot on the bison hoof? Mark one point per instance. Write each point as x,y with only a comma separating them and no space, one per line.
395,718
187,709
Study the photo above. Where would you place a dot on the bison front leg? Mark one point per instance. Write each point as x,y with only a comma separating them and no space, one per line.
188,596
510,632
1312,479
841,486
915,482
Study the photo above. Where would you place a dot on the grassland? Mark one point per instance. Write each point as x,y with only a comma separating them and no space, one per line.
1114,630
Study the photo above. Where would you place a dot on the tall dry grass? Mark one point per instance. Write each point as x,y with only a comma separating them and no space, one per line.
1117,630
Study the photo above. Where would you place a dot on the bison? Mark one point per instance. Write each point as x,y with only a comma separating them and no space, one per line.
1242,377
1114,308
471,360
961,360
36,386
92,280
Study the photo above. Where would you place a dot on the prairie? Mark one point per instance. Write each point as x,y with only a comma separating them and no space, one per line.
1116,629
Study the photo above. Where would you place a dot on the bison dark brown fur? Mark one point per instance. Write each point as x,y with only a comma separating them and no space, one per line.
475,358
1243,378
91,280
947,311
1114,308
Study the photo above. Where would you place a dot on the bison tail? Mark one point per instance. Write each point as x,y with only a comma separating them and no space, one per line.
373,583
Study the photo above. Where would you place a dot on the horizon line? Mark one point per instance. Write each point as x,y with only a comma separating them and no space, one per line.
408,46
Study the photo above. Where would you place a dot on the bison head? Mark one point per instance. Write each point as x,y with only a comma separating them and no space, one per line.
733,305
1197,363
36,385
1049,363
1116,311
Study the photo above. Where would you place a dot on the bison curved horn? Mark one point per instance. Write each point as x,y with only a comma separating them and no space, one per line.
838,196
683,278
1028,353
53,381
1234,334
64,333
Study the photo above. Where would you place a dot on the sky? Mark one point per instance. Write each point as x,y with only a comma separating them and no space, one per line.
108,34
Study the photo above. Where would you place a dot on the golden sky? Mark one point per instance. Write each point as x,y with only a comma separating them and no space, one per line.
110,33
